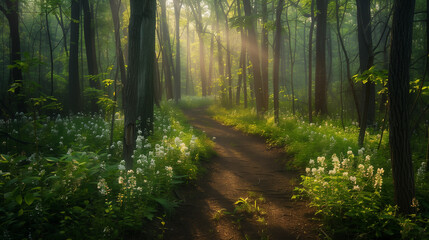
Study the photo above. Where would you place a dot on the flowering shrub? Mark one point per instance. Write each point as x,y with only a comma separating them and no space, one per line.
76,186
346,192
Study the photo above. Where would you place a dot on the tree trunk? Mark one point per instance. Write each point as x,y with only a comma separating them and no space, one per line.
166,51
177,77
349,77
51,58
366,59
264,55
242,78
74,83
114,7
254,58
91,54
146,75
398,86
12,14
321,106
130,86
277,44
209,79
310,66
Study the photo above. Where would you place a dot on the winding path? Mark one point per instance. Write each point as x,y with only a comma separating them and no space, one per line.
243,164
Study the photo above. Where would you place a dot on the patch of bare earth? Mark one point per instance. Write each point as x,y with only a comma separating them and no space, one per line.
243,166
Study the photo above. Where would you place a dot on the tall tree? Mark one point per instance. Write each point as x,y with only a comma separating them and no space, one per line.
398,86
254,56
242,78
197,12
177,77
146,72
366,59
321,106
310,65
91,53
166,51
264,54
277,44
11,11
74,84
130,85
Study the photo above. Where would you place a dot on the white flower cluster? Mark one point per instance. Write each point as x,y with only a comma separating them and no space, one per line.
359,178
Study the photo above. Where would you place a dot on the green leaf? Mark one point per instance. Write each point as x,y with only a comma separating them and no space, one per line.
20,212
19,199
29,198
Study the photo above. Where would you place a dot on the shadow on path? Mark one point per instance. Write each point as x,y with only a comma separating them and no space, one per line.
242,165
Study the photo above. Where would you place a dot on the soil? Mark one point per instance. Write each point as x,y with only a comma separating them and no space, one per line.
243,168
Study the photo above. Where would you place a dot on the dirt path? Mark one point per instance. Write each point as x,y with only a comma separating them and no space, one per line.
243,168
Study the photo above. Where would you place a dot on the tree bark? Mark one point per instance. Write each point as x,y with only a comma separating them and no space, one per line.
166,51
146,84
130,85
398,86
12,15
254,58
74,83
91,54
277,44
366,59
310,65
264,55
321,106
177,77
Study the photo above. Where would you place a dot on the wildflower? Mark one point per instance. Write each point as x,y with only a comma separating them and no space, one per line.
378,180
353,179
139,171
307,170
345,174
321,161
121,167
121,180
370,171
311,162
356,187
102,186
367,158
332,172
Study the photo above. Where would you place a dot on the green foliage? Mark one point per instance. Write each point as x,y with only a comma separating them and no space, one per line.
77,186
346,191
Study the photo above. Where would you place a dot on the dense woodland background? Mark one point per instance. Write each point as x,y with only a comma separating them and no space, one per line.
361,63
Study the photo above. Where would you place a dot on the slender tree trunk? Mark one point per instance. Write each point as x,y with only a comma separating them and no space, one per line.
264,55
177,77
188,60
209,79
166,53
310,65
321,106
74,83
220,56
277,44
91,53
202,64
242,78
398,86
114,7
51,58
254,58
349,77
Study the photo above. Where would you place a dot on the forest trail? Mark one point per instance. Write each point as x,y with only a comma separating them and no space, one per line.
243,167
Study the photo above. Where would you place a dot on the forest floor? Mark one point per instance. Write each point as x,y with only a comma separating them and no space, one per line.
243,168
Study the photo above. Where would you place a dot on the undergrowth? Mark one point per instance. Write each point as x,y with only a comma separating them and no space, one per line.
350,187
60,178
